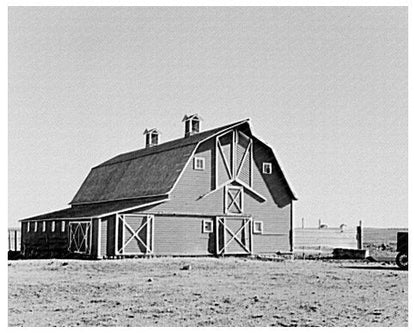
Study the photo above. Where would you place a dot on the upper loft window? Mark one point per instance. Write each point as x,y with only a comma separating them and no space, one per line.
199,163
267,168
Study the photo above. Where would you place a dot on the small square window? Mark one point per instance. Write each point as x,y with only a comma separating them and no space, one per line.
199,163
36,226
43,226
53,226
207,226
267,168
62,226
258,227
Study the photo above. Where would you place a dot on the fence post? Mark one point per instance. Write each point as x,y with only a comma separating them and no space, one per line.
360,236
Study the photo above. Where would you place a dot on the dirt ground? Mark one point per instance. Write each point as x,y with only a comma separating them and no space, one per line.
213,292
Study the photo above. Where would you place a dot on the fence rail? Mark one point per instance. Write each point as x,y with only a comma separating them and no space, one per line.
326,239
14,239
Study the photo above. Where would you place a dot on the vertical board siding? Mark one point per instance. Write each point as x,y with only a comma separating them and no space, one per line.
104,237
44,244
94,238
175,235
14,239
107,241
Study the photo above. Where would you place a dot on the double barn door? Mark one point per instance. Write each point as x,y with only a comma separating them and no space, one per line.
134,234
233,235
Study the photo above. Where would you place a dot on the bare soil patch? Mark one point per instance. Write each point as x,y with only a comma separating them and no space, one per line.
211,292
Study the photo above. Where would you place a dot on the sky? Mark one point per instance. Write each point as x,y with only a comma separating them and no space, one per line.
326,87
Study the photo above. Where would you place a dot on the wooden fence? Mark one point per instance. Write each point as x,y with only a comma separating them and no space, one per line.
14,239
326,239
305,239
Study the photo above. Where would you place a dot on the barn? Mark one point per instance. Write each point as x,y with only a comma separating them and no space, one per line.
216,192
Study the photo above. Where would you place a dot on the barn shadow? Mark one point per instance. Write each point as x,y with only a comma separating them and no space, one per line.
381,268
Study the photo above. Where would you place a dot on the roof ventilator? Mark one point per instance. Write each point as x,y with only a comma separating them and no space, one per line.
192,124
151,137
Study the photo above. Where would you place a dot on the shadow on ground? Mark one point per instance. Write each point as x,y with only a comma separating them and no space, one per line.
385,268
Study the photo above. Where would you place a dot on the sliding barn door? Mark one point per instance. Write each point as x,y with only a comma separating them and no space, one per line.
233,235
135,234
80,237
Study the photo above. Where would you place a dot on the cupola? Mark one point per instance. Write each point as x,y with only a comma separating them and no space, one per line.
192,124
151,137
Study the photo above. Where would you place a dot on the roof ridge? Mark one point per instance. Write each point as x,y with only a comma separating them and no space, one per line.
159,148
142,155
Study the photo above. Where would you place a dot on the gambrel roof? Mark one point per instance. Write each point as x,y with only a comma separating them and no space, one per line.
144,172
140,177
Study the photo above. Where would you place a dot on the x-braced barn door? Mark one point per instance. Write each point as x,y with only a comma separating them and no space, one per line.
134,234
233,235
80,237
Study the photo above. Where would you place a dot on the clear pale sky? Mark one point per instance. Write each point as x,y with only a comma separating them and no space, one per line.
325,86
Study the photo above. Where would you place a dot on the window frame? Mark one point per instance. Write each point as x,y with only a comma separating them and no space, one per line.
62,226
28,227
36,226
265,166
260,230
43,226
206,223
53,226
227,203
201,159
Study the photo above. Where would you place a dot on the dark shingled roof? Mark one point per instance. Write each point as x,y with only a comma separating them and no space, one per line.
141,173
93,210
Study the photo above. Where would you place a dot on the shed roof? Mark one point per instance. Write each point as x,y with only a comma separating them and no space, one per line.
142,173
97,210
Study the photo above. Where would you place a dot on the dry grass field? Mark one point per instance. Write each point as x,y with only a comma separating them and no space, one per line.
213,292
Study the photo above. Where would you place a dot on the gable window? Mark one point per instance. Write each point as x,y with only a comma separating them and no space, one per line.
199,163
258,227
207,226
62,226
43,226
53,226
267,168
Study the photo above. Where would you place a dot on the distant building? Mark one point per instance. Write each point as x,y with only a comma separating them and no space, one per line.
217,192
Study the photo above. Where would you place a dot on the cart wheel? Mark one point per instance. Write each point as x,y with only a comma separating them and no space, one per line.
402,260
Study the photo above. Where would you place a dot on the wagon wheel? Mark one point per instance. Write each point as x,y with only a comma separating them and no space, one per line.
402,260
